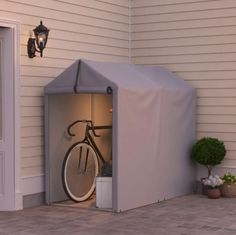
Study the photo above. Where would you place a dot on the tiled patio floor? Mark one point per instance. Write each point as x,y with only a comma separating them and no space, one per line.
188,215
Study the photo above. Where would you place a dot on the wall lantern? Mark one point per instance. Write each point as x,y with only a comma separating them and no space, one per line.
39,42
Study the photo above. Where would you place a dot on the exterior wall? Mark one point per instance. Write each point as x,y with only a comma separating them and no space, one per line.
195,39
88,29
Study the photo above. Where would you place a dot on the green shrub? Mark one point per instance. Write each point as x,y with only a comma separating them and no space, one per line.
229,178
208,152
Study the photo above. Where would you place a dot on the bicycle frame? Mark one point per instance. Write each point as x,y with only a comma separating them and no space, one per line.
88,137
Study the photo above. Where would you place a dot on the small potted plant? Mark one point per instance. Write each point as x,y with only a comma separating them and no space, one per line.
208,152
213,183
229,186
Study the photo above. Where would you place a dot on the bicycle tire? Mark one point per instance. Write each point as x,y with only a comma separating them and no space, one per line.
78,183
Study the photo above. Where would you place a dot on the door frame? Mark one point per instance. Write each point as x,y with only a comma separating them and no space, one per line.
15,26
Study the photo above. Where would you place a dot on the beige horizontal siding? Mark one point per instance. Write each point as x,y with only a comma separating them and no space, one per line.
184,33
36,80
32,122
184,42
216,92
213,127
192,10
211,84
216,119
31,111
222,135
215,110
151,3
64,12
196,40
29,142
32,131
171,6
184,24
122,3
31,152
208,75
227,59
190,66
33,171
32,91
32,162
111,5
215,101
97,30
196,51
193,38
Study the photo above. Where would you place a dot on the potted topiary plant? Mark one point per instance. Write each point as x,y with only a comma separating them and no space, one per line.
213,183
208,152
229,186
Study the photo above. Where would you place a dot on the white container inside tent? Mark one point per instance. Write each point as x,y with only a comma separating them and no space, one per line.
153,128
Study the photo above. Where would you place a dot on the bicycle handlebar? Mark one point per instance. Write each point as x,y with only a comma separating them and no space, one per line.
89,124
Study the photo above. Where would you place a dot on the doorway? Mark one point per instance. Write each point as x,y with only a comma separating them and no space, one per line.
62,111
9,173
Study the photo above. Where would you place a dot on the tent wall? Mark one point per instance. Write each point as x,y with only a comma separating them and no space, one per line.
61,110
137,144
153,157
101,115
177,172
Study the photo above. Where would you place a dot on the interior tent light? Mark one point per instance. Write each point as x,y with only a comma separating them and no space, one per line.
38,43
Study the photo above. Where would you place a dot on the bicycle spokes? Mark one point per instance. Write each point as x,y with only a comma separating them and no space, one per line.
80,156
83,163
80,169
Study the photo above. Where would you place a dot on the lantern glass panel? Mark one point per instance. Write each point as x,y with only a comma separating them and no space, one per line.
41,40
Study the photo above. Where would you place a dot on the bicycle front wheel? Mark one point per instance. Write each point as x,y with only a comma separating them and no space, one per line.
79,171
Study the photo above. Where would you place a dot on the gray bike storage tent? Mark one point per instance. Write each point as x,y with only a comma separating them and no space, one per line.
153,125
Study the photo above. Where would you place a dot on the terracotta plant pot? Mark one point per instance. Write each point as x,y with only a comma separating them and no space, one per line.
213,193
229,190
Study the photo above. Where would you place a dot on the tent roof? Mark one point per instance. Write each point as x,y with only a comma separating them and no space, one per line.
92,76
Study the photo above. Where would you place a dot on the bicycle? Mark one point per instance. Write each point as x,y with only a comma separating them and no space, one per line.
81,163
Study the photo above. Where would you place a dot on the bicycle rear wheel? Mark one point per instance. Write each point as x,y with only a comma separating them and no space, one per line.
79,171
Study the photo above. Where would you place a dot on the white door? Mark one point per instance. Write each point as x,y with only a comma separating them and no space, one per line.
7,168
